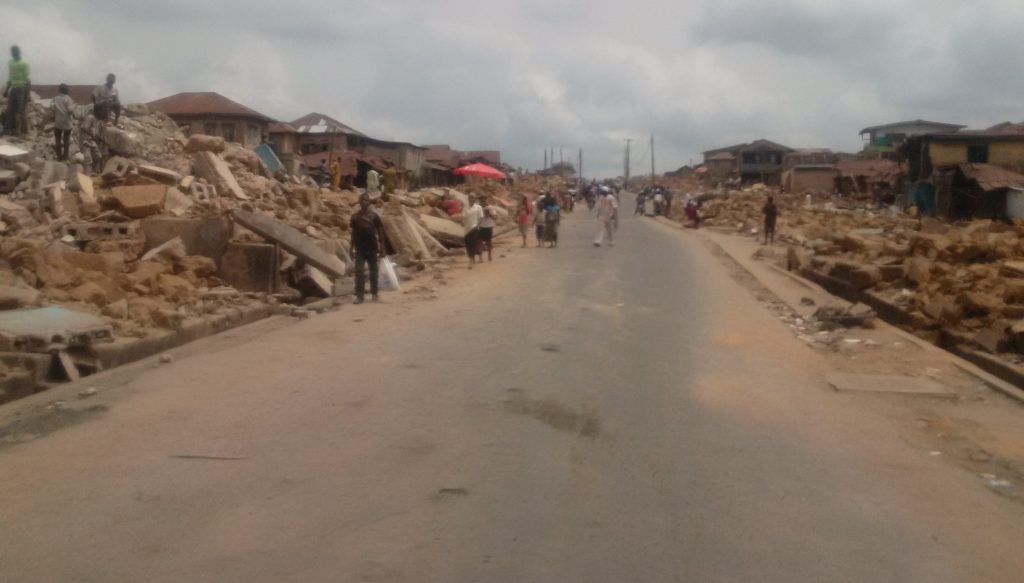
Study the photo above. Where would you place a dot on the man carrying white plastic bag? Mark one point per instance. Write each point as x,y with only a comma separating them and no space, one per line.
367,245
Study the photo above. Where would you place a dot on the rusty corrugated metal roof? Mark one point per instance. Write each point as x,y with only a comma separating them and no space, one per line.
992,177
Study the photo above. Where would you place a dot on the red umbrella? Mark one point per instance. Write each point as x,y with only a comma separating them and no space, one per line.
480,170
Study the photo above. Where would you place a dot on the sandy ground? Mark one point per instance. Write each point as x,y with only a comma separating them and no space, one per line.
578,414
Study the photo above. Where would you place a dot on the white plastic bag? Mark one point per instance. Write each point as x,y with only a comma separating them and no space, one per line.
388,279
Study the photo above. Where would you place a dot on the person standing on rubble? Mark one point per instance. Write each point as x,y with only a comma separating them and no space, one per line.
106,100
19,84
607,212
63,111
367,245
335,174
373,183
472,216
771,215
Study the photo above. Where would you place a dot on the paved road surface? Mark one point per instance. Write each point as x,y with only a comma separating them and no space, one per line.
571,415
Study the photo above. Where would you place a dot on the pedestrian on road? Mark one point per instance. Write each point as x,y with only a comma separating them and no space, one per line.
19,84
63,111
607,213
471,219
367,245
693,211
487,228
538,218
771,215
106,100
552,218
523,214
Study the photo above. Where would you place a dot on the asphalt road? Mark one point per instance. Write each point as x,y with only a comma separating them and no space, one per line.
568,415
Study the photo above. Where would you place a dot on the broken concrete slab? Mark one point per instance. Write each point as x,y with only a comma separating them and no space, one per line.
249,267
173,250
121,142
11,155
139,202
212,168
203,143
168,177
46,329
207,237
292,241
9,180
447,232
177,203
12,297
883,383
52,171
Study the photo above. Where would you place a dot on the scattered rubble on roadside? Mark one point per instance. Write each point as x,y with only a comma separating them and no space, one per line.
174,228
964,280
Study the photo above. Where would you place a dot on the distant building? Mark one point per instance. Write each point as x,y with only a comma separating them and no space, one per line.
321,133
215,115
283,139
758,161
889,137
968,172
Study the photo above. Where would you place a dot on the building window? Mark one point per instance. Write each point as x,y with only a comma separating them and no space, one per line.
210,129
228,132
750,158
977,154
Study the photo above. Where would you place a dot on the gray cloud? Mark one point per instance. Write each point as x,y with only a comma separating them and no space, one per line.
525,75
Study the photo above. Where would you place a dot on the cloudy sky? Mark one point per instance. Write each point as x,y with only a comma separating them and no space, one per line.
522,75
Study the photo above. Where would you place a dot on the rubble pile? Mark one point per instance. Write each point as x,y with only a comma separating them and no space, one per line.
173,228
964,279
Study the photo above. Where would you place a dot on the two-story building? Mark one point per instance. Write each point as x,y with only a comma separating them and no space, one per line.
758,161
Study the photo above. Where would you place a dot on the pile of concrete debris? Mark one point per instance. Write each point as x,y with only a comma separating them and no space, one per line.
172,230
963,280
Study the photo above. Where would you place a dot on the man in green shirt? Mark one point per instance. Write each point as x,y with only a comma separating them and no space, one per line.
16,91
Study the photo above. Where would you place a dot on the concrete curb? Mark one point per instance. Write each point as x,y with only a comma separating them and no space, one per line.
992,381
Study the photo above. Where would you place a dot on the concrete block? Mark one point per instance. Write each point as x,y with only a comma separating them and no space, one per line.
138,202
202,192
249,267
85,232
23,169
203,143
169,177
117,168
212,168
207,237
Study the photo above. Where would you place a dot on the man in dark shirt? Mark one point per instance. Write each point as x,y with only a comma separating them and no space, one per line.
367,245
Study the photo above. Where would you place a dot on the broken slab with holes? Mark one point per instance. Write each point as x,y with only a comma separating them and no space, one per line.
292,241
889,383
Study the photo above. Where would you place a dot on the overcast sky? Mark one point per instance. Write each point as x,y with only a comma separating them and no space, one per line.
522,75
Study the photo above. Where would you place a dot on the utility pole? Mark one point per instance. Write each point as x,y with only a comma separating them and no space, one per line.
545,159
652,159
560,155
581,168
626,185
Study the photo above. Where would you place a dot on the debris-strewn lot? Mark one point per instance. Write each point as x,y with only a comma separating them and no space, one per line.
965,279
169,229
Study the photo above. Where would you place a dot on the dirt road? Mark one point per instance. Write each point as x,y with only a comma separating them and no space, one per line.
570,415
